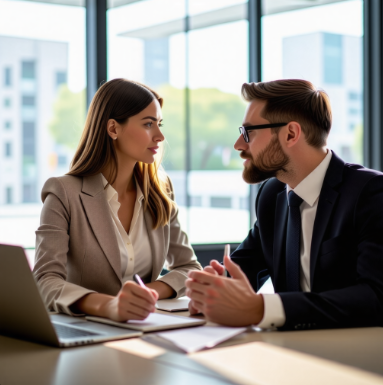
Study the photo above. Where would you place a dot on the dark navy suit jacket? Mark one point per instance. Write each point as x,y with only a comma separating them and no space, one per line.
346,261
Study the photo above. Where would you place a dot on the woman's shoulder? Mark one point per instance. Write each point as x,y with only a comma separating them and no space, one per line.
62,186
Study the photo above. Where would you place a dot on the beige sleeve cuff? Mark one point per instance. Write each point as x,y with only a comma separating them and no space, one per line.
69,295
176,281
274,314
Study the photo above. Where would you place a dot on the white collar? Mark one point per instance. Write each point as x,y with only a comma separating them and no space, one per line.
112,194
310,187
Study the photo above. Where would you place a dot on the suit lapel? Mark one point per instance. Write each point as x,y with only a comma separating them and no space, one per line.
279,235
326,204
97,210
156,239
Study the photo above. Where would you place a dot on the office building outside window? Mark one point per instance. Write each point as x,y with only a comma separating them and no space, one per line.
309,42
7,77
8,150
42,64
8,195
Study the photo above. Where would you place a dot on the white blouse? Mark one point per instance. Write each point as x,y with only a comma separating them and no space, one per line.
135,251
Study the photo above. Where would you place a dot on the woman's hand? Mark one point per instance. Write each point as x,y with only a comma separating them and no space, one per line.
133,302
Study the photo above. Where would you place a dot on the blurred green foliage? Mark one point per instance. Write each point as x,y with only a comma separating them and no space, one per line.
214,120
69,112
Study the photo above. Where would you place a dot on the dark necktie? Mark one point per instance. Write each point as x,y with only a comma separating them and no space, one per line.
293,243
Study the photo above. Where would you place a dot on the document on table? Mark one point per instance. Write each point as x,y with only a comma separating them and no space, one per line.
194,339
176,304
153,322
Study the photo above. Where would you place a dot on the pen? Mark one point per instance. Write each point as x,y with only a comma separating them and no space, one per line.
139,280
226,252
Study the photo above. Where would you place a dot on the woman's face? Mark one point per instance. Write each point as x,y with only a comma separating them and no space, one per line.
138,139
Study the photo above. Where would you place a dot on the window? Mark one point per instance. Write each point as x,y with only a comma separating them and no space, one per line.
29,141
61,160
308,41
28,101
43,45
332,58
29,193
199,74
8,195
7,102
7,76
354,96
28,70
220,202
196,201
8,149
60,78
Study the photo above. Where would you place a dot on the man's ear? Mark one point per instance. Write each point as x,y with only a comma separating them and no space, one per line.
293,132
111,128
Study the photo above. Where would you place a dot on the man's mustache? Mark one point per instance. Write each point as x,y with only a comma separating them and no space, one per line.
243,155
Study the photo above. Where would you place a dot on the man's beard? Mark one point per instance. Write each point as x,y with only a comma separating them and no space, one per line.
269,162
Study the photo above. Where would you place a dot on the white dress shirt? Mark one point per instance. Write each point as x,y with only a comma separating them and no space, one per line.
308,189
135,251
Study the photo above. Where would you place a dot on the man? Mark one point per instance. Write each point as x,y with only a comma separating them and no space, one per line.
319,229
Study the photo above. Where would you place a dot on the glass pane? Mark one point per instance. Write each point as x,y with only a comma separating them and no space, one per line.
151,50
313,44
218,65
199,74
42,107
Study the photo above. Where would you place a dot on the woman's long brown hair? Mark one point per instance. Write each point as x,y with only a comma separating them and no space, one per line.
120,99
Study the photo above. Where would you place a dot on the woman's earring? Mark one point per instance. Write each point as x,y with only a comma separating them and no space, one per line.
115,138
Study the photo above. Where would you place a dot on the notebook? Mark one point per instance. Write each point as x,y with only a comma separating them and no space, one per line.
153,322
175,304
23,313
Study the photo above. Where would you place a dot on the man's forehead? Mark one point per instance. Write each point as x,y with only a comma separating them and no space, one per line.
253,112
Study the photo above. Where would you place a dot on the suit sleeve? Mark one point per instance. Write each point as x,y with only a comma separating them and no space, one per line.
52,246
249,255
360,304
180,258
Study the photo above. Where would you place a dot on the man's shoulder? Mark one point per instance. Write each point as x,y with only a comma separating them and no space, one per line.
360,177
268,193
272,186
341,171
359,171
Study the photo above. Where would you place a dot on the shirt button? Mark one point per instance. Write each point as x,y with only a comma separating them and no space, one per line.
131,259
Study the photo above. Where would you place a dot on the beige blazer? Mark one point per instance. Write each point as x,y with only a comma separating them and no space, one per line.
76,246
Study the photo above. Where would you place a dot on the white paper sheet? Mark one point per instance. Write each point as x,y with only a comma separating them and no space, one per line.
197,338
178,304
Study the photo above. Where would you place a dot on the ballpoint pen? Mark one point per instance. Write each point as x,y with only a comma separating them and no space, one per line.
139,280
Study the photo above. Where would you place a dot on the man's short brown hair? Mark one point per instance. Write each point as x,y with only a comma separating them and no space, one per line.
294,100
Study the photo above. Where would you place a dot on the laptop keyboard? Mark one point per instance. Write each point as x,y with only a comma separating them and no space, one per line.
69,332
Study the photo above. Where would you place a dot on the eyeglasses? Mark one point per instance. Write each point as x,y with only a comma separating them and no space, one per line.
244,130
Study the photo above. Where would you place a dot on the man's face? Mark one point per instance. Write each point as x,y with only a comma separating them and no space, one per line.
264,156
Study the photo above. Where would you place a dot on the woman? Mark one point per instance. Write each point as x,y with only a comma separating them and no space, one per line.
113,215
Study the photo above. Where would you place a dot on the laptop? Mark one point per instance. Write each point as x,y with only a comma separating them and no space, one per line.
23,313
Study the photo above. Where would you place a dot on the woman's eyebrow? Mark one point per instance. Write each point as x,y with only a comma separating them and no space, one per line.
151,118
